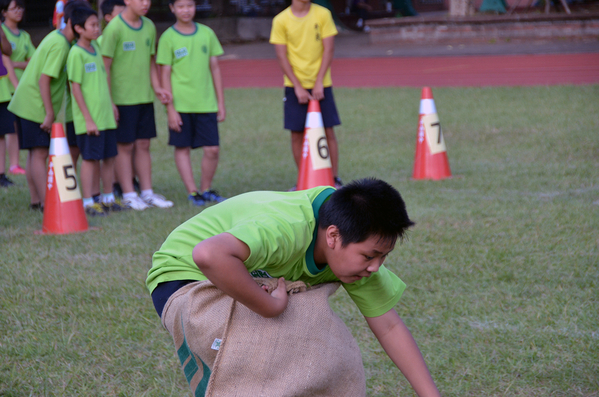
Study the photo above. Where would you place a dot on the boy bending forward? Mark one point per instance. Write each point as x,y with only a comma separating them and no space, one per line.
318,235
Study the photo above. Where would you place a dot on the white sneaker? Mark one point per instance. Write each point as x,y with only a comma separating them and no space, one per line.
156,200
135,203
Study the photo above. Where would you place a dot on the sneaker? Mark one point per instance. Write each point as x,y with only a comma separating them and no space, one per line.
211,196
36,207
156,200
116,190
338,182
16,170
97,197
115,206
95,210
196,199
5,182
135,203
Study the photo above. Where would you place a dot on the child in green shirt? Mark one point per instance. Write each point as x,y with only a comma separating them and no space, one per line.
37,101
188,54
94,114
128,48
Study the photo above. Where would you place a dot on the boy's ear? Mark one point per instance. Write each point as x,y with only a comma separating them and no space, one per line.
332,236
78,29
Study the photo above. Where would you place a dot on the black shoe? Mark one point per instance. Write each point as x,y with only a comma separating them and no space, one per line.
97,197
5,182
212,196
36,207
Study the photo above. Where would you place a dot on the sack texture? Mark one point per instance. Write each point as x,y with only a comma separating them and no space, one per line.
306,351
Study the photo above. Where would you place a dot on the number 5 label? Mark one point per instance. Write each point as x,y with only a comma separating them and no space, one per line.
66,179
434,134
319,149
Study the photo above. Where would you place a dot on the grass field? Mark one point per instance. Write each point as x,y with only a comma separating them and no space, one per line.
502,266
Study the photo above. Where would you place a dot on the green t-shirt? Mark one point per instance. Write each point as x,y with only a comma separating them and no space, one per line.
22,47
191,76
87,69
50,59
6,89
131,51
278,227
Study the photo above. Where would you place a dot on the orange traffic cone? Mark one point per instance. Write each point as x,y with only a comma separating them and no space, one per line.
430,161
315,168
63,207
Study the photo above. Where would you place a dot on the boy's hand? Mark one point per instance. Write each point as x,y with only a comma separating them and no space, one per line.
174,119
281,298
47,124
221,114
318,91
164,96
91,128
303,96
115,110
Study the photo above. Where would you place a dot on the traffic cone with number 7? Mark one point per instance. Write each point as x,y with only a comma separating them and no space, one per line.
431,160
315,168
63,207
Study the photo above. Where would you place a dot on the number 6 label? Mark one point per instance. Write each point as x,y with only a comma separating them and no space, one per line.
66,179
319,149
434,134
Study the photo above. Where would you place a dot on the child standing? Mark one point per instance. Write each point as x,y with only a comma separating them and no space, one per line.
38,99
128,48
188,54
7,73
93,112
110,9
303,35
22,51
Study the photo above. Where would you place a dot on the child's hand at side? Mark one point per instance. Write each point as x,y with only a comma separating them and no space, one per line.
174,119
91,128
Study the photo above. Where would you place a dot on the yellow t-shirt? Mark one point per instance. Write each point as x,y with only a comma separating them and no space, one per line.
303,37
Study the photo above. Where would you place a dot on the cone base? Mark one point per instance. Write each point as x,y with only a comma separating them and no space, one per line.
64,218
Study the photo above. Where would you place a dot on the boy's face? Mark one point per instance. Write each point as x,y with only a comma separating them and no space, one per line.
91,29
139,7
116,10
184,10
356,260
14,12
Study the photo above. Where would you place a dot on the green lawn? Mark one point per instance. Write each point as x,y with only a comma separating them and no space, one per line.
502,266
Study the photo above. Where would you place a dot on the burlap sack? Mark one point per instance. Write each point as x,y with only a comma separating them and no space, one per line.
306,351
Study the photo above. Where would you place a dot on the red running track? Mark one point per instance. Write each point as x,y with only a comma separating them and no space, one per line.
465,71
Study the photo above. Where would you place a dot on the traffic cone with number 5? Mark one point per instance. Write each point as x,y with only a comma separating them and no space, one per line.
431,160
63,207
315,168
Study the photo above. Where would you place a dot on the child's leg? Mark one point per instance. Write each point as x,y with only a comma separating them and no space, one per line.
333,149
36,174
297,141
142,164
74,155
183,162
107,175
96,180
88,169
2,154
12,143
209,164
124,167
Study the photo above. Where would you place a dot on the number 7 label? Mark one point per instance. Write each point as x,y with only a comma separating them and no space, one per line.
434,134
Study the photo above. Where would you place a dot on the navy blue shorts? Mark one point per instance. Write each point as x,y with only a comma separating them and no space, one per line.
71,136
198,129
135,122
31,135
295,113
7,120
163,292
97,147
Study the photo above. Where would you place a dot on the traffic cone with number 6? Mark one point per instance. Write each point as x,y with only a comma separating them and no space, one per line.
315,168
63,207
431,160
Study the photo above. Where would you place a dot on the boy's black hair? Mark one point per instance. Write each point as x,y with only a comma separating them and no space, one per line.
79,16
174,1
365,208
72,6
108,6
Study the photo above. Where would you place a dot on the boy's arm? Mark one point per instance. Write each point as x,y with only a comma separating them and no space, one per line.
107,66
303,96
164,96
5,44
218,88
44,84
10,69
398,343
90,126
221,258
174,118
328,44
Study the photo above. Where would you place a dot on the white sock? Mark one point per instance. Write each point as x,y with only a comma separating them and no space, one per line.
146,193
108,198
88,202
129,196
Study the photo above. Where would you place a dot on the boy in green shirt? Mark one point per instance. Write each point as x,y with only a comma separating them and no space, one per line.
37,101
128,48
188,54
93,112
317,235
